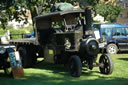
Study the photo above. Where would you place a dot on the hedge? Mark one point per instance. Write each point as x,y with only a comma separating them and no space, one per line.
12,32
20,31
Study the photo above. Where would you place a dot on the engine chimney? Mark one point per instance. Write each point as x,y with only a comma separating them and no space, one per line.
88,18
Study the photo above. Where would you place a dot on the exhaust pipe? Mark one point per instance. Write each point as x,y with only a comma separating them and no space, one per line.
88,18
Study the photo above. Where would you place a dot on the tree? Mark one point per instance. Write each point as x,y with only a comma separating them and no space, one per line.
10,10
16,9
3,13
109,11
85,3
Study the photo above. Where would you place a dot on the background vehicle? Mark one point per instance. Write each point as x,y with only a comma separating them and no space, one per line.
116,36
64,38
4,59
29,35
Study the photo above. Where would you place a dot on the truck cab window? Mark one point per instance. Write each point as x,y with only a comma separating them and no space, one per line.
57,25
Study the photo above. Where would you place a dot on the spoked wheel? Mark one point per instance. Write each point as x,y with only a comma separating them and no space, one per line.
107,62
75,66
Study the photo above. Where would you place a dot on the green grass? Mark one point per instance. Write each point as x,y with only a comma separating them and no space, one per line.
48,74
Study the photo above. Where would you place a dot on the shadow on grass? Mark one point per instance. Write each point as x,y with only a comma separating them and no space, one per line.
61,69
3,75
123,52
43,79
49,74
125,59
55,68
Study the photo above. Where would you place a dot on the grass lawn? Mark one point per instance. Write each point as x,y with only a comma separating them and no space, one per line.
43,74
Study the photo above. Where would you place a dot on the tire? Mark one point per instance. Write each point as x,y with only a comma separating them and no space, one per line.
33,56
75,66
112,49
107,62
56,61
26,61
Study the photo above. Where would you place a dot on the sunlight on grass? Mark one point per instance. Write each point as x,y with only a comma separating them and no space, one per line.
49,74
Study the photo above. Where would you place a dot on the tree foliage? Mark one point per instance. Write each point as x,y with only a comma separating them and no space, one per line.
11,9
84,3
108,10
16,9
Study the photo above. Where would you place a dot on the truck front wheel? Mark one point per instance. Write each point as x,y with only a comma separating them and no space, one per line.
107,62
75,66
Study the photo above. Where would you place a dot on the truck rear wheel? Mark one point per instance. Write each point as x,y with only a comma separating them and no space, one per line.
24,53
75,66
33,57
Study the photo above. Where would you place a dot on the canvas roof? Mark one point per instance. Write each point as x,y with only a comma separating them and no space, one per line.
58,14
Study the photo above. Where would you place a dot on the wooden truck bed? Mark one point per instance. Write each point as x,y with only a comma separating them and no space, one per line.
24,41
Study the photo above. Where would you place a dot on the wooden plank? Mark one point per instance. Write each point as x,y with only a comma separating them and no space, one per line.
24,41
27,40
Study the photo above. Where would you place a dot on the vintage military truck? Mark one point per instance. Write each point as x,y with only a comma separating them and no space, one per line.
64,37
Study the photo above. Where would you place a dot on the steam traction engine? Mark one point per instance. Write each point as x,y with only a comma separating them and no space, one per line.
64,37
